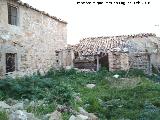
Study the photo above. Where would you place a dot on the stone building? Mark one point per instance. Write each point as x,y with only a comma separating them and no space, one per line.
64,58
29,39
118,52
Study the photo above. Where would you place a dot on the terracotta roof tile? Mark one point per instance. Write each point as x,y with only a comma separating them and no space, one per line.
93,45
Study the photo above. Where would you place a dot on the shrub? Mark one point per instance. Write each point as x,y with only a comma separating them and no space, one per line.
42,109
2,95
104,100
35,87
93,105
130,73
62,93
3,115
150,112
66,115
62,72
155,77
136,73
155,69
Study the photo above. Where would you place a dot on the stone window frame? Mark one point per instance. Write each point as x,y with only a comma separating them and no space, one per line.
17,16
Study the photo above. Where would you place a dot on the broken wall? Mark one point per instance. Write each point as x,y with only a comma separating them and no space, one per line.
118,61
155,59
126,61
141,61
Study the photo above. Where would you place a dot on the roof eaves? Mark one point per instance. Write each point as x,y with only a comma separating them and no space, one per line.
42,12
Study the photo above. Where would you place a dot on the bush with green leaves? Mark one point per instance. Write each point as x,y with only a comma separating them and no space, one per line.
130,73
35,87
41,109
150,112
3,115
104,100
62,72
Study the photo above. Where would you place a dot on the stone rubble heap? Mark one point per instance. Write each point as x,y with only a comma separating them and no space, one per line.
16,110
83,115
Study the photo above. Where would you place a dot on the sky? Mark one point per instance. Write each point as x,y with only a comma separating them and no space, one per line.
93,20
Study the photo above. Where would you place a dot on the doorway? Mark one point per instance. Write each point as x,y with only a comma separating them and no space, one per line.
10,62
104,62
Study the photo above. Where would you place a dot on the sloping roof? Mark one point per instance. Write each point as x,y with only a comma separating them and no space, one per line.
42,12
95,45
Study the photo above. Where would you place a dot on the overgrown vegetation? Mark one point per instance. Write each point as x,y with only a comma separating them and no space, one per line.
36,88
131,96
3,115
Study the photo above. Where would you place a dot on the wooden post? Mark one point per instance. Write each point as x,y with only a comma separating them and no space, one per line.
97,63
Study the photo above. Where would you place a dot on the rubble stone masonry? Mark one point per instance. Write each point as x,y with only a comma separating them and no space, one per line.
118,61
34,40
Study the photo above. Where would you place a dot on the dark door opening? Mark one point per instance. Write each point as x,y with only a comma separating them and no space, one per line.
10,62
104,62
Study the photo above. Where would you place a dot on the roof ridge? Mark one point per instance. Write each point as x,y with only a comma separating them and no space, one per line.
121,36
43,12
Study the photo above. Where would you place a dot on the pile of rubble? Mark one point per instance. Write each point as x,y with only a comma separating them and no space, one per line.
17,110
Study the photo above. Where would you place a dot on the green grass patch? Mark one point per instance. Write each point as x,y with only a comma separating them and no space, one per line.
126,97
3,115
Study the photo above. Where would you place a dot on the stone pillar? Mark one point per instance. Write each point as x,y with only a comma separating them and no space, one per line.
124,59
149,71
72,58
114,61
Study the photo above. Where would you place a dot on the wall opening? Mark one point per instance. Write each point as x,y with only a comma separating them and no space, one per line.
10,62
57,53
104,62
12,15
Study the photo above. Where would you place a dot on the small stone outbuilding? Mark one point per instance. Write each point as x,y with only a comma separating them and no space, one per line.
118,52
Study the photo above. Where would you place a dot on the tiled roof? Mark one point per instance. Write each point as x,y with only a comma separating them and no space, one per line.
95,45
28,6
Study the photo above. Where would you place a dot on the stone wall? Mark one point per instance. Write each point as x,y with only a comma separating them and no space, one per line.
64,58
34,40
155,59
118,61
141,61
125,61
